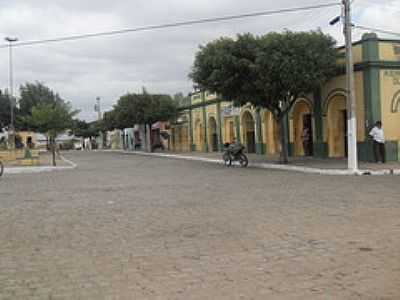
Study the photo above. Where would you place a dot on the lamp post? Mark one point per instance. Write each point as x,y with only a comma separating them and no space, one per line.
97,108
11,130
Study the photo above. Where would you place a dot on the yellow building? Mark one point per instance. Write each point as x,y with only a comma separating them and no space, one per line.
28,138
209,121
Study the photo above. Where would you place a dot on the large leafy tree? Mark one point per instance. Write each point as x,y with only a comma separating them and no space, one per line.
142,108
270,71
51,119
110,121
84,129
5,110
33,94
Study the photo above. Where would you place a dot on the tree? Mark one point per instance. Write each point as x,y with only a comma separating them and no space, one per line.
51,119
33,94
270,71
181,100
5,110
143,109
109,121
83,129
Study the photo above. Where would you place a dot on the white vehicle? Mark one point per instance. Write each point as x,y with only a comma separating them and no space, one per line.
78,145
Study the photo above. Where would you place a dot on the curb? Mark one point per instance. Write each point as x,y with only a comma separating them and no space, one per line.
307,170
35,170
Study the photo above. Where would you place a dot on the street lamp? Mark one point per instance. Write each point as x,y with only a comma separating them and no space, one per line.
11,131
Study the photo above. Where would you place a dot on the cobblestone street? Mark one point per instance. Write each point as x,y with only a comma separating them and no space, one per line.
132,227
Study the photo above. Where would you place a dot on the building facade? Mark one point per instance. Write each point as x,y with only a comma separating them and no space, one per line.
208,121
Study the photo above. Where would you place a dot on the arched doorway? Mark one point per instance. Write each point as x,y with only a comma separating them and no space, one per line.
249,136
337,126
198,135
302,129
212,134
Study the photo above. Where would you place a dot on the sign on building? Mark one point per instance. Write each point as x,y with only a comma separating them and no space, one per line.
230,111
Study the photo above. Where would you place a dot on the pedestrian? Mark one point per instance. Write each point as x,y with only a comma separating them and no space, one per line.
305,136
378,137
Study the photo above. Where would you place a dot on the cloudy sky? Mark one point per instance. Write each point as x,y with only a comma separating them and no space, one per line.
160,60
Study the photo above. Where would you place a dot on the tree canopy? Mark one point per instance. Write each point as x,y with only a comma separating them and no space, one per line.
142,108
33,94
51,119
270,71
5,110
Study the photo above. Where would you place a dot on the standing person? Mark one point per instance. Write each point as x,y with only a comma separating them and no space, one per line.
378,137
305,136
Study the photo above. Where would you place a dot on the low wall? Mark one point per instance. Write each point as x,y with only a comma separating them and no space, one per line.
23,157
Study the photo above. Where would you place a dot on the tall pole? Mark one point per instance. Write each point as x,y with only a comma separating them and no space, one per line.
352,161
98,108
11,131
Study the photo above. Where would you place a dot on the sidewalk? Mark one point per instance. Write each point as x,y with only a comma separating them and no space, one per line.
45,166
311,165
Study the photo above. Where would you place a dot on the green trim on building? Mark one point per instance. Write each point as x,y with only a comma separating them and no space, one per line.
237,125
205,142
190,129
286,129
201,104
319,149
372,94
259,142
370,49
219,127
365,151
264,148
392,151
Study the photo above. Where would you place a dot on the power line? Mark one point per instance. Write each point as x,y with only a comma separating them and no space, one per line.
377,30
171,25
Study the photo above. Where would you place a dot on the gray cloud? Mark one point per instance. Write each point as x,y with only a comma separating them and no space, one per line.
160,60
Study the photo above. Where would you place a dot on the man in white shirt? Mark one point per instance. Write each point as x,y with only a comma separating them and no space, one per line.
378,136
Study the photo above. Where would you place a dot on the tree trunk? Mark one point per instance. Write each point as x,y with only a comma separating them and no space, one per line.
147,130
53,150
284,157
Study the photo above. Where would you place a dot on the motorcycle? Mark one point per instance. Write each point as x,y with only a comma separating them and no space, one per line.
234,152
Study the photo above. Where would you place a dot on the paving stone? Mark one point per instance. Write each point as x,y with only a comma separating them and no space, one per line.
132,227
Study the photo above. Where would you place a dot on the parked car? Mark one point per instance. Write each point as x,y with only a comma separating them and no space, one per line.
78,145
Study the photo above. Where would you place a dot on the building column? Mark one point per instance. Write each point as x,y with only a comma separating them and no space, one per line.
205,142
237,126
260,149
191,145
219,127
372,92
320,148
286,129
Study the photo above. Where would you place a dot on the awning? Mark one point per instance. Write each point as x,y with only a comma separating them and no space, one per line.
156,125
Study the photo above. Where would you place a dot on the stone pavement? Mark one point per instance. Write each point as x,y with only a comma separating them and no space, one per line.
134,227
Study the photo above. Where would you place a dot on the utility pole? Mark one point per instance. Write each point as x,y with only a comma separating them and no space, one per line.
97,108
11,130
352,161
